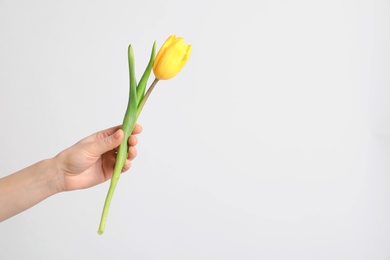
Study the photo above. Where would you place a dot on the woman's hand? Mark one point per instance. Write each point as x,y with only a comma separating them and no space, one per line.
91,161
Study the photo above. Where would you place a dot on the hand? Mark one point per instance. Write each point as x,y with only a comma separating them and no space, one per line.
91,161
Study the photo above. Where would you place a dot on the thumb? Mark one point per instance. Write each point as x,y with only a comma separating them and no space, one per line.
107,143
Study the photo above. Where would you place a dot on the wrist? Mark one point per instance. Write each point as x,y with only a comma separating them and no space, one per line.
54,176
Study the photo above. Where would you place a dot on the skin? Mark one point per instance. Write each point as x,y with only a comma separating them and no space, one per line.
87,163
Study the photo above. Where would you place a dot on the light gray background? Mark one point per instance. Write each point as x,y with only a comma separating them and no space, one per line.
272,143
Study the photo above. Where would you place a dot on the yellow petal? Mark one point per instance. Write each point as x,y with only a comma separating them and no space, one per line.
171,57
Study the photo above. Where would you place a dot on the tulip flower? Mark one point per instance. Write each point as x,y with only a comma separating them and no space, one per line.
169,61
171,58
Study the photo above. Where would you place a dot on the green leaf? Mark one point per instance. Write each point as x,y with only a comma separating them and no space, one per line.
129,120
142,83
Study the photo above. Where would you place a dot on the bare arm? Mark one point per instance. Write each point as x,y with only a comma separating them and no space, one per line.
25,188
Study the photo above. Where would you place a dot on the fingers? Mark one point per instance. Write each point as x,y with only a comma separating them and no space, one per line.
111,130
126,166
105,143
111,138
137,129
107,132
132,154
133,140
100,135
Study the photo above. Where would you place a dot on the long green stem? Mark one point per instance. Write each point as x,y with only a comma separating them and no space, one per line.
127,127
119,163
122,153
136,102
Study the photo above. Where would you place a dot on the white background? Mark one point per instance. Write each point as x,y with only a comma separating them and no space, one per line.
272,143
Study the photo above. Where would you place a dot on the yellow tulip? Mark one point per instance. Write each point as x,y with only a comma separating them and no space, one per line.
171,58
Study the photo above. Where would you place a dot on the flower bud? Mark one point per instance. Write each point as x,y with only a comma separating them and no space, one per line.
171,58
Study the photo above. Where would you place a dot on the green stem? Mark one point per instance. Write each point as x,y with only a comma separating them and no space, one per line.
127,127
119,163
145,98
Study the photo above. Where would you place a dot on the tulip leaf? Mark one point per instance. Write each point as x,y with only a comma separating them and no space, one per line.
142,83
129,119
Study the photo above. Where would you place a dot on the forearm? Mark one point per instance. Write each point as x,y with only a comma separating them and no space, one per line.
27,187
